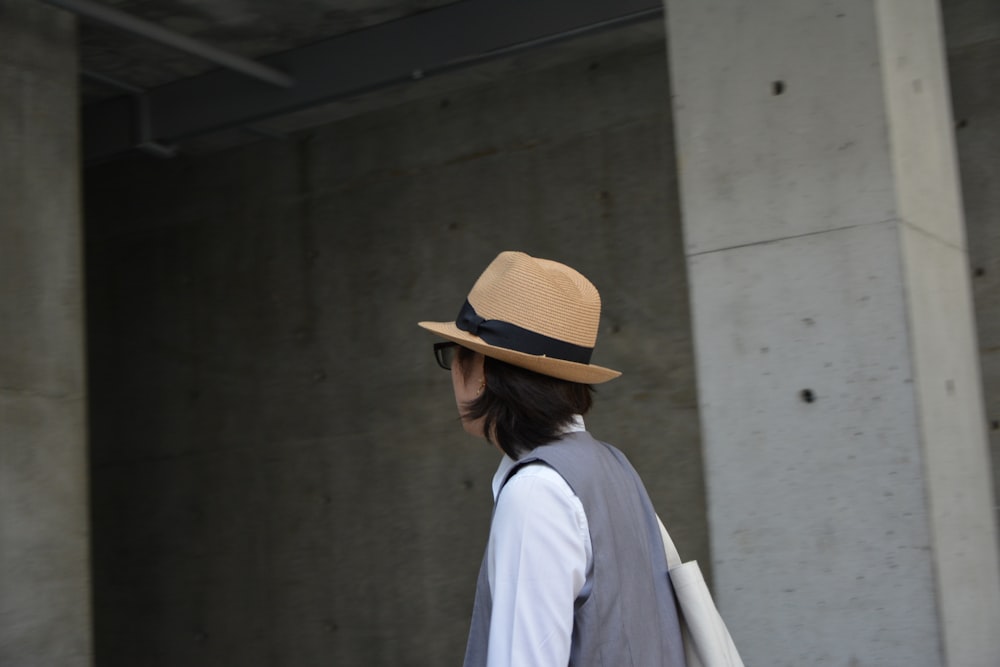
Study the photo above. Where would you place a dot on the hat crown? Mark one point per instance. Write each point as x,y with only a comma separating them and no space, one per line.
539,295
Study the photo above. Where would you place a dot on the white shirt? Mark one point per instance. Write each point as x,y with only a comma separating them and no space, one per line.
539,562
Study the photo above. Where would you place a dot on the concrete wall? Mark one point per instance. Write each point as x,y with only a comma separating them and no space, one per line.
279,476
44,577
800,205
973,32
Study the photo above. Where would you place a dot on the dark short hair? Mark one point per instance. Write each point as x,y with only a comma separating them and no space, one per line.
523,409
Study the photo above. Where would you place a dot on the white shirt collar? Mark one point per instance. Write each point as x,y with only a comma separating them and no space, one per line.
506,463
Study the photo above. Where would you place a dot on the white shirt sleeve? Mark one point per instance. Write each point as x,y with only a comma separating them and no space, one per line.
539,556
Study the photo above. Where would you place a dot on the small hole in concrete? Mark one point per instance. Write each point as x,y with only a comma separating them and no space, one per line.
445,103
979,272
594,66
995,425
962,124
777,88
807,395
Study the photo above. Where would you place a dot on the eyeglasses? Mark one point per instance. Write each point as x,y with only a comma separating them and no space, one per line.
445,354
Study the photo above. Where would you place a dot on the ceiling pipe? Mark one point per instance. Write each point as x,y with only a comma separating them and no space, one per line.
144,142
139,27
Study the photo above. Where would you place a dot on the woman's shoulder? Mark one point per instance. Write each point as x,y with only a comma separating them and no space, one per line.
535,482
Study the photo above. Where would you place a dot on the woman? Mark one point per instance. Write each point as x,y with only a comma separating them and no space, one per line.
574,571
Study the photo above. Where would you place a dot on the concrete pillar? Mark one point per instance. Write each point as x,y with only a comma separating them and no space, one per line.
44,589
848,479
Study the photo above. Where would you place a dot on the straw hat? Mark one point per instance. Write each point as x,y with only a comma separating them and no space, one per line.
533,313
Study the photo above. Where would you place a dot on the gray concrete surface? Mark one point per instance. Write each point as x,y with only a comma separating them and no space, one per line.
977,122
948,384
838,374
279,474
44,578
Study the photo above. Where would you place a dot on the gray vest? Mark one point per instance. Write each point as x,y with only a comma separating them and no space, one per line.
630,617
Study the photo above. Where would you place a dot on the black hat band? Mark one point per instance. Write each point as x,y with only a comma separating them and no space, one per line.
512,337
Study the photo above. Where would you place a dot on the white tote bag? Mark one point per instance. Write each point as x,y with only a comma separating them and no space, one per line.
706,639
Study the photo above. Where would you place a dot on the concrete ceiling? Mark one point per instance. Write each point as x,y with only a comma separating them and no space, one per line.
250,28
326,52
340,52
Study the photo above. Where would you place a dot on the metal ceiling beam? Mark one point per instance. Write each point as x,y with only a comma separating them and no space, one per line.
439,40
149,30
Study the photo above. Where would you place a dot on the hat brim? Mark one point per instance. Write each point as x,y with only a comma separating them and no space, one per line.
559,368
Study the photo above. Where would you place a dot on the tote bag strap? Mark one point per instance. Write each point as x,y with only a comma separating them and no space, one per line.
673,558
